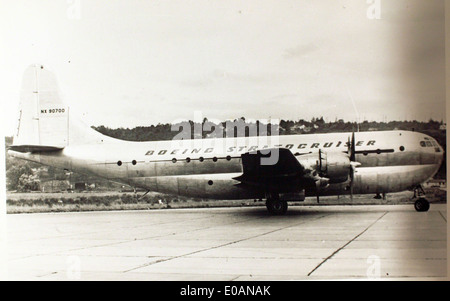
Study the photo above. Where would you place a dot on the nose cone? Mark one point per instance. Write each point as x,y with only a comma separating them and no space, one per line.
430,150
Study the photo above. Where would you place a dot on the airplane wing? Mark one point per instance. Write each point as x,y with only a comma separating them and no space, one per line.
275,169
279,170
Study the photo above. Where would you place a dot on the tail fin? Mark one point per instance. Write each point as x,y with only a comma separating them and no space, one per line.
44,120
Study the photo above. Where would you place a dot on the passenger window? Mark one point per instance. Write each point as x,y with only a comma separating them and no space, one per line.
422,143
429,144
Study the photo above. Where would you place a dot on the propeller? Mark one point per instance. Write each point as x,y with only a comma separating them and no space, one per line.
353,164
321,183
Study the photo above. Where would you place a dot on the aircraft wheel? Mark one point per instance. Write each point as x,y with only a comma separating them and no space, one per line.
422,205
276,207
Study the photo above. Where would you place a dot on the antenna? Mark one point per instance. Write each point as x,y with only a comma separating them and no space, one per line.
354,107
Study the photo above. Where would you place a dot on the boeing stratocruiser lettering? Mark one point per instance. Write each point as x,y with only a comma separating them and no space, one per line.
255,148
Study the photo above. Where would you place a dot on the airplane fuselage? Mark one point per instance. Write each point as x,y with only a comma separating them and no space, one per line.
391,161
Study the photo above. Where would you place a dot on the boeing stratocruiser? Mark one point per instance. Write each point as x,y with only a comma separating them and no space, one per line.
274,168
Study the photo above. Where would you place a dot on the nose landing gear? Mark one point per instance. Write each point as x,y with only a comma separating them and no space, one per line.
421,204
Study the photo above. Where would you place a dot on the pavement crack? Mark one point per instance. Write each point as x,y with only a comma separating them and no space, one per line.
349,242
442,216
219,246
236,277
115,243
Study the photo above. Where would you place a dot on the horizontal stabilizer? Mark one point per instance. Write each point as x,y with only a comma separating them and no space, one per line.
34,148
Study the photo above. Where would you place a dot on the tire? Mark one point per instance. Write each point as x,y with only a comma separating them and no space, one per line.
422,205
276,207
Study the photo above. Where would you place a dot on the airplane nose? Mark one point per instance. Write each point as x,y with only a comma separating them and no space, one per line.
442,157
431,151
439,153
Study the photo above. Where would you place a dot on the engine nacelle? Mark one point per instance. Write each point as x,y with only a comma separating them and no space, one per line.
333,166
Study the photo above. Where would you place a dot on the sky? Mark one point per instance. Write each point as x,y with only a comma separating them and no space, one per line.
127,63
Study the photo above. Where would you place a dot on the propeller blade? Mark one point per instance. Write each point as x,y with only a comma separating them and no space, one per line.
352,175
353,166
349,148
351,154
351,192
352,148
321,183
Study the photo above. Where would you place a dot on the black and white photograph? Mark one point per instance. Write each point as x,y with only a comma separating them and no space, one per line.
237,142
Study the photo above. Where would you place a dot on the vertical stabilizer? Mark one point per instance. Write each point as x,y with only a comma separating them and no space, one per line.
44,119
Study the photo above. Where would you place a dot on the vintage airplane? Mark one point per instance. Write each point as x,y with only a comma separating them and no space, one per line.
275,168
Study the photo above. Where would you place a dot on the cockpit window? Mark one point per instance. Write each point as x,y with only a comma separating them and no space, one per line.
430,143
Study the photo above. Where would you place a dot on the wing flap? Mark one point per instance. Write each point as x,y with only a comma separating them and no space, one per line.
269,167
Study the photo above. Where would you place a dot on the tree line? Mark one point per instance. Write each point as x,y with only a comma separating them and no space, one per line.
169,131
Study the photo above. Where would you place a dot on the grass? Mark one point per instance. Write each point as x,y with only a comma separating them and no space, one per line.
102,201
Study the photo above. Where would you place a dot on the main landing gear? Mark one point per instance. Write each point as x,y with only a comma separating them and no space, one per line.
379,197
421,204
275,206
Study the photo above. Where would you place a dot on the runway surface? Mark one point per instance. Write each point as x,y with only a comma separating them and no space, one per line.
329,242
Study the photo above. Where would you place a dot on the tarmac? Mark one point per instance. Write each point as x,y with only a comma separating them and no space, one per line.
387,242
